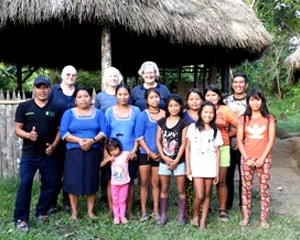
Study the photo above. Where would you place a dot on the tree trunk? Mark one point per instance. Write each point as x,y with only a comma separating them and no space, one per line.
105,50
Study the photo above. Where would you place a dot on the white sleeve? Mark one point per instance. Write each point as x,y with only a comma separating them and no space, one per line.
190,131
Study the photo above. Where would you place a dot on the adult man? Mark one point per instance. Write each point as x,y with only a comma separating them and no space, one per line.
37,123
62,95
237,103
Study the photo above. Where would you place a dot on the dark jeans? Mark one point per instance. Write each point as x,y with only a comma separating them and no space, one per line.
28,167
235,160
60,153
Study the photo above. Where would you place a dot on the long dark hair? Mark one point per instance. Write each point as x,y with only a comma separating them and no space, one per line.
200,124
193,90
176,98
216,90
256,93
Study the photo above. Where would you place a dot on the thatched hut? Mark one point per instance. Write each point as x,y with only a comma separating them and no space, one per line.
173,33
293,65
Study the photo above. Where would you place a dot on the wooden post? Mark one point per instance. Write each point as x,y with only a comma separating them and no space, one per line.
204,81
212,78
19,77
195,76
225,79
105,49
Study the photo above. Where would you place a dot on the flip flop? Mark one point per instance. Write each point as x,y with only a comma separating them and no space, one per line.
145,217
223,215
155,216
22,226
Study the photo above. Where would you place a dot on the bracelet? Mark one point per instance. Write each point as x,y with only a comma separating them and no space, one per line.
94,139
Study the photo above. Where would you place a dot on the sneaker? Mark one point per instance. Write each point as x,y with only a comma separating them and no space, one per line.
22,226
43,218
116,221
124,220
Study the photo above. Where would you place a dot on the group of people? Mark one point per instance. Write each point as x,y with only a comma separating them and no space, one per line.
149,133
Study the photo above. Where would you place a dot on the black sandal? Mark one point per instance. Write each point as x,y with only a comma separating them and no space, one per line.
223,215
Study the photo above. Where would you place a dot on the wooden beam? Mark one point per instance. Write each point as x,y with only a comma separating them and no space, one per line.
212,78
105,49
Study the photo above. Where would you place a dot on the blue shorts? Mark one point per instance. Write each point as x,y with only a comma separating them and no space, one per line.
178,171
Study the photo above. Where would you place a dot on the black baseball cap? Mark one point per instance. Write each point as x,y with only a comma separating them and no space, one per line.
42,80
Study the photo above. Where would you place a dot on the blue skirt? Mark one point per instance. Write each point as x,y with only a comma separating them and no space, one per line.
81,171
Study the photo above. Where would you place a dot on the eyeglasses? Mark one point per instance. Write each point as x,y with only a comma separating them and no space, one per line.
69,74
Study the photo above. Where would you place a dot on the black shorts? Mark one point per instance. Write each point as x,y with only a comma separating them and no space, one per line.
132,169
145,160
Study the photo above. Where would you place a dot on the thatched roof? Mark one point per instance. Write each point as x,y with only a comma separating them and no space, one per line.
293,64
171,32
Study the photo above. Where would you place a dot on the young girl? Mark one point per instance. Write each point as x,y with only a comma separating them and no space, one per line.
194,99
203,158
119,178
170,141
255,139
145,133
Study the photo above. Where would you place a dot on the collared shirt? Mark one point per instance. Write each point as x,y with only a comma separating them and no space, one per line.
63,101
138,96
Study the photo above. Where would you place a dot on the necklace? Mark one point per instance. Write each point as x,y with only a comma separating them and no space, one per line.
157,112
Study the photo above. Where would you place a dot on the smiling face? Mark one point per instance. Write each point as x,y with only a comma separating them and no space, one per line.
239,85
123,96
69,75
83,99
194,101
207,114
212,97
149,75
255,103
153,100
113,79
41,92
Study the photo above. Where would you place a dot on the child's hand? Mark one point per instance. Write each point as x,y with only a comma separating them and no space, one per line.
172,165
259,162
109,159
216,180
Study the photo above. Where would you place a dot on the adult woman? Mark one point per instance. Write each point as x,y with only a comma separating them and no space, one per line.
63,95
193,100
145,133
111,79
150,74
224,117
122,119
82,128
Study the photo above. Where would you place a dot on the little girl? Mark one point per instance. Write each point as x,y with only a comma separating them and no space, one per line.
203,158
119,178
255,139
170,141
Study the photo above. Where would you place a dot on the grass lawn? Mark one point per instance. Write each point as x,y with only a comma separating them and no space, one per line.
282,227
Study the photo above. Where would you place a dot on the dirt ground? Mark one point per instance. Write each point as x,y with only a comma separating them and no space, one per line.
285,176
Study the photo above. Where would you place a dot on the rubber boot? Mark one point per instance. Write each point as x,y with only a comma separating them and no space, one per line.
182,208
163,212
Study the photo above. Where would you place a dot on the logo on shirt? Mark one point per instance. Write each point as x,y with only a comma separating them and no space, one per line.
118,173
29,113
51,114
256,131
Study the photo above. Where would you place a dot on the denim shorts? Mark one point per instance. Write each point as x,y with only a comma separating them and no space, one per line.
178,171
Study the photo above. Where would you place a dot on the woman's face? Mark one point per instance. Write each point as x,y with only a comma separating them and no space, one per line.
255,103
194,101
212,97
174,108
153,100
149,75
123,96
207,114
112,79
83,99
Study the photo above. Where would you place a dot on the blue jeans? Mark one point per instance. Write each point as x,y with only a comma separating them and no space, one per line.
48,171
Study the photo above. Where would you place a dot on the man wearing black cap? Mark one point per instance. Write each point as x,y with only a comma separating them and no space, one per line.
37,123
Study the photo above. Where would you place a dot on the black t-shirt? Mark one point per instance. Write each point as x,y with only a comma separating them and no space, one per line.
171,138
46,120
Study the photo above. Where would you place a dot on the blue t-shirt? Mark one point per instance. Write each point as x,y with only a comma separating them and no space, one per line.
146,128
138,96
104,101
63,101
122,127
87,126
188,118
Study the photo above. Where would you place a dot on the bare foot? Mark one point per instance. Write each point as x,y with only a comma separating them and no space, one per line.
195,221
202,226
92,216
131,216
245,222
74,217
265,225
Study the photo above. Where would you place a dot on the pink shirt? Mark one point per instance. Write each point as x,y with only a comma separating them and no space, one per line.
119,169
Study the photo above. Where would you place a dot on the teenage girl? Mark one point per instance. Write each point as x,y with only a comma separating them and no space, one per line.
203,159
170,141
193,100
145,133
255,139
224,117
